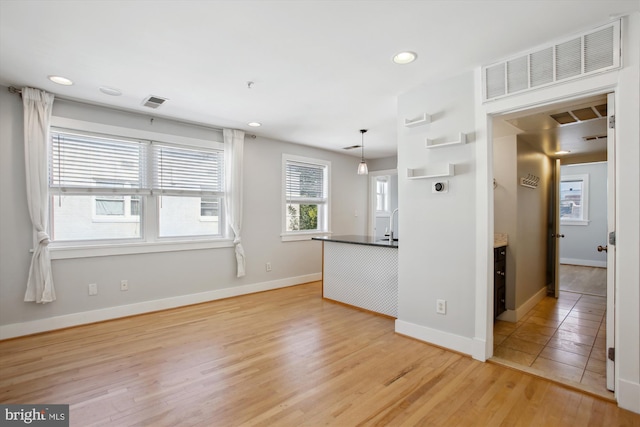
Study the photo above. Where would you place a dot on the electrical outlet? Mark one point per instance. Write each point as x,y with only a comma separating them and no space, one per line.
441,306
268,266
93,289
124,285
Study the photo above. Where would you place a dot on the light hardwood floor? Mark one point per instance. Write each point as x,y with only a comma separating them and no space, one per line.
278,358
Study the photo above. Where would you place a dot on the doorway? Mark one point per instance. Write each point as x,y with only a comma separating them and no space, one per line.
559,332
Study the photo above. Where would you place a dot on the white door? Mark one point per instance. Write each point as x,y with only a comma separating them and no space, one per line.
611,227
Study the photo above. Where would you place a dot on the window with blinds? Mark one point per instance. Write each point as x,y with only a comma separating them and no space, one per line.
102,186
306,195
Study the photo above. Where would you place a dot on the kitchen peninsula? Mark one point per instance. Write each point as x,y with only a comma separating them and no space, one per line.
361,271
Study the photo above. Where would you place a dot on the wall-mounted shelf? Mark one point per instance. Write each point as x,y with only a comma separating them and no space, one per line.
432,143
449,170
418,121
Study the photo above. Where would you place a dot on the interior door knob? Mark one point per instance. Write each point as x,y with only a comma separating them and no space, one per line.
602,248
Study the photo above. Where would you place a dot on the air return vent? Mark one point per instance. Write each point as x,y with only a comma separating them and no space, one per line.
592,52
153,101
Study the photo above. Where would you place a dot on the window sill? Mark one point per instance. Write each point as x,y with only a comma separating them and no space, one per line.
293,237
68,252
574,222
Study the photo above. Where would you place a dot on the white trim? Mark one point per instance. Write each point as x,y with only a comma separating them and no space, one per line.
628,395
518,313
440,338
58,322
584,179
132,133
287,236
68,252
584,262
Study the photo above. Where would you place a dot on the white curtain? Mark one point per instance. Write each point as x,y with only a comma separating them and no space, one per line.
234,152
37,114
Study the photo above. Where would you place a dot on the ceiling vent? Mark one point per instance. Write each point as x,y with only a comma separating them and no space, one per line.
588,53
594,138
153,101
580,114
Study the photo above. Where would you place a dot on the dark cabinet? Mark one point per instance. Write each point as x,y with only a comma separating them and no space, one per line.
499,280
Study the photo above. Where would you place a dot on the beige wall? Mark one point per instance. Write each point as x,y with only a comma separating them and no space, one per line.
522,213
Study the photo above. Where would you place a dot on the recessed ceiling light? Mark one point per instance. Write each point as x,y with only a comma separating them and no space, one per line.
110,91
254,124
561,152
405,57
61,80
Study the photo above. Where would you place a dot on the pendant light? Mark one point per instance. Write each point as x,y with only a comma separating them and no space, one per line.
362,167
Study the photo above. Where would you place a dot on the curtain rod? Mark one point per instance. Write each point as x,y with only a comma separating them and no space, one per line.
15,90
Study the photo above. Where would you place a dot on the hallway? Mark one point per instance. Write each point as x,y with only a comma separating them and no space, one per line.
563,339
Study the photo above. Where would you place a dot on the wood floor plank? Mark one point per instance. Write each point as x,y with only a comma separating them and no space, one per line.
279,358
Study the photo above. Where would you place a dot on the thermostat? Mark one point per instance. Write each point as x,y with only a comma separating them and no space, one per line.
440,187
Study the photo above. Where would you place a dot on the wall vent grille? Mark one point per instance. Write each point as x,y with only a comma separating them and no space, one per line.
578,56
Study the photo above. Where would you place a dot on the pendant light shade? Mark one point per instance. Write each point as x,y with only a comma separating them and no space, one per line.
362,167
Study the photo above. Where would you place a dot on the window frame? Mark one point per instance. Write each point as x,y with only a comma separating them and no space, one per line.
149,242
584,179
296,235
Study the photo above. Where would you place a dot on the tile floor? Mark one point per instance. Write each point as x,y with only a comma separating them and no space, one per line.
563,339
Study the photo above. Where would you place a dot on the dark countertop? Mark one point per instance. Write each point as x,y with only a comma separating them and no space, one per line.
359,240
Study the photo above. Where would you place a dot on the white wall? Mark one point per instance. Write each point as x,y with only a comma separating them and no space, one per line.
159,280
437,255
580,241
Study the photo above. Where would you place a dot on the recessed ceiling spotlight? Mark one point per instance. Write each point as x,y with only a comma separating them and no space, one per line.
110,91
561,152
255,124
405,57
61,80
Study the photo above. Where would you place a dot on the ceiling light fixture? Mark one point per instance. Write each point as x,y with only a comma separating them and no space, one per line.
405,57
254,124
362,167
61,80
561,152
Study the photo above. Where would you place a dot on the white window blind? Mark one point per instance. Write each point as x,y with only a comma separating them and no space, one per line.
81,163
186,171
305,183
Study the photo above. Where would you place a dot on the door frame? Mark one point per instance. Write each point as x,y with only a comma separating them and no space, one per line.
546,97
371,191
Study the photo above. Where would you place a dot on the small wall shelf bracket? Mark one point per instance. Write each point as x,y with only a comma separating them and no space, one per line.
432,143
448,170
418,121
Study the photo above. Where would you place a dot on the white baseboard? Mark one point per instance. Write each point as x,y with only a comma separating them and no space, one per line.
433,336
58,322
518,313
628,395
584,262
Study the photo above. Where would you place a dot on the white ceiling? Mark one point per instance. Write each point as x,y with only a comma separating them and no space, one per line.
322,69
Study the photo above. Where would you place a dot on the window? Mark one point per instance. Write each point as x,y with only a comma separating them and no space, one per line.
382,193
306,197
574,191
107,189
183,176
